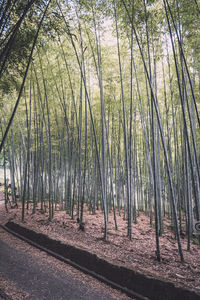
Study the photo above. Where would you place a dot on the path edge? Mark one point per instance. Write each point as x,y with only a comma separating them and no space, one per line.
129,281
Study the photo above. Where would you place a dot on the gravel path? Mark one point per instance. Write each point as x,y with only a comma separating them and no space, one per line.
42,280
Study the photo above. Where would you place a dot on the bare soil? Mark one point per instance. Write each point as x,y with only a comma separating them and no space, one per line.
138,253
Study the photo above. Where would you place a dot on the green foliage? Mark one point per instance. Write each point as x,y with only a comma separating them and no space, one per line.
55,78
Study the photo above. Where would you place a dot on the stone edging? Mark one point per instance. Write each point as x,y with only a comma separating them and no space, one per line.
129,281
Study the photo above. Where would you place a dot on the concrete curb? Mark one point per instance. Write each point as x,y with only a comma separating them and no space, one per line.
134,284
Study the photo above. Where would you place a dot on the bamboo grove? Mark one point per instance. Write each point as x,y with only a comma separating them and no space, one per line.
107,116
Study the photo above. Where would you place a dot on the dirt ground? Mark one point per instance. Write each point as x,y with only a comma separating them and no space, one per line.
138,253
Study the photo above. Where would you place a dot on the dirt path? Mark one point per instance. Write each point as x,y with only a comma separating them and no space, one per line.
1,197
39,277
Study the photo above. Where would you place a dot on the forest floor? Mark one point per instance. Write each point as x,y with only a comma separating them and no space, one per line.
138,253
